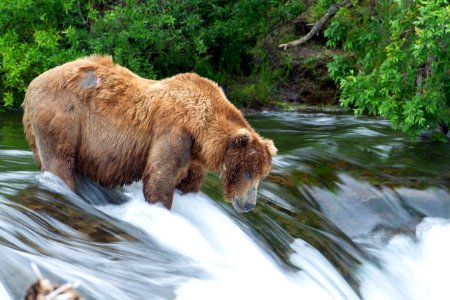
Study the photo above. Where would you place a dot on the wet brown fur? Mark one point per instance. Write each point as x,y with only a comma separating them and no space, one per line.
94,117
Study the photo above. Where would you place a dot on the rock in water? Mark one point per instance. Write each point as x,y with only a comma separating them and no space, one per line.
43,289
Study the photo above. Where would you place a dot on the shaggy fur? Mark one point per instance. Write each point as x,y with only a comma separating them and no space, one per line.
99,119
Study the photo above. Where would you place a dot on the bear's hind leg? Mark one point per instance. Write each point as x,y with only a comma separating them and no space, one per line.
56,137
60,163
192,182
63,168
29,135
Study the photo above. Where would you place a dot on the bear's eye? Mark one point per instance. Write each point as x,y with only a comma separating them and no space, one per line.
248,175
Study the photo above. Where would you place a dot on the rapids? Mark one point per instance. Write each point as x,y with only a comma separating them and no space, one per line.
352,210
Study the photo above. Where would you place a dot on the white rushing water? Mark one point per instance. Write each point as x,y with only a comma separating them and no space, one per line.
237,267
4,295
240,269
411,269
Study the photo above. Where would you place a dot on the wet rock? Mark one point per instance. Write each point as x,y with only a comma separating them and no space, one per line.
43,289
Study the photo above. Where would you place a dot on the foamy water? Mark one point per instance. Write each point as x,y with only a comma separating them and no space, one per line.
241,269
3,293
237,267
411,268
233,265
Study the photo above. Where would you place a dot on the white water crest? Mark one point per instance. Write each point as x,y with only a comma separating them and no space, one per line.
4,295
235,265
238,268
411,268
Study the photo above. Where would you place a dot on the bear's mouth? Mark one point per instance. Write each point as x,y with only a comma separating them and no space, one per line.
237,207
246,203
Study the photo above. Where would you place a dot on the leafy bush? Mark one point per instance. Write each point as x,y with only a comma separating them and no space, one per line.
398,65
218,39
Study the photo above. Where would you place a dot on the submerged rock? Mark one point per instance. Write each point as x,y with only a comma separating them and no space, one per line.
43,289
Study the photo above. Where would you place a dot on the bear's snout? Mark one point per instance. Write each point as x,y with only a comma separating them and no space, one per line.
246,202
249,206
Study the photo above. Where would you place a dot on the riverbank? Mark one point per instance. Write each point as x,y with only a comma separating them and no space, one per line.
297,77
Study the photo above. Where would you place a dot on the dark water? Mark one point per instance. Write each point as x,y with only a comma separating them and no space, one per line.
352,209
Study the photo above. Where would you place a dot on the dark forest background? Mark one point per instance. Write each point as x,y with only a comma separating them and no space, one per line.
388,58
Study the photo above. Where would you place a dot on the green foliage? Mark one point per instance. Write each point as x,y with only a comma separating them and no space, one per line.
254,91
399,62
318,8
218,39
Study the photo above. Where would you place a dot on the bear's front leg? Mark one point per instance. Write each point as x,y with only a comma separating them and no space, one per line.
167,163
193,180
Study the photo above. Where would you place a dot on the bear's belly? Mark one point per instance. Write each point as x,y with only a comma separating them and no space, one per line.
110,155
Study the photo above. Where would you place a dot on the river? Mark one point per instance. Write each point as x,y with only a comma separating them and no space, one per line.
351,210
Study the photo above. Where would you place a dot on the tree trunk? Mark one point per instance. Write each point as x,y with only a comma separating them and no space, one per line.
318,26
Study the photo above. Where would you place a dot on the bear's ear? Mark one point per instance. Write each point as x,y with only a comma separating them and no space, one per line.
241,138
270,147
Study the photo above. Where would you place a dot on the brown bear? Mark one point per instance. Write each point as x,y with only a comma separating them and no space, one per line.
99,119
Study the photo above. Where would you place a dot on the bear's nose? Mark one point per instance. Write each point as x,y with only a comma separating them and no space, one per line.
249,206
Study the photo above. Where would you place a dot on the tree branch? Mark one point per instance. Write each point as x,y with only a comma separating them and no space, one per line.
318,26
81,15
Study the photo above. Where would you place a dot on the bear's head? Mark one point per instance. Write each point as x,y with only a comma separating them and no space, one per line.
248,158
